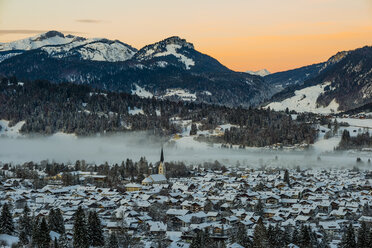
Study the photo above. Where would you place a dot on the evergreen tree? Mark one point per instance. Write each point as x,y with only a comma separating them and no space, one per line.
60,223
260,236
44,237
80,230
194,129
24,226
242,237
305,240
95,232
363,234
113,241
35,232
272,236
63,242
23,238
51,219
324,242
259,208
286,178
295,237
348,239
6,221
285,239
55,221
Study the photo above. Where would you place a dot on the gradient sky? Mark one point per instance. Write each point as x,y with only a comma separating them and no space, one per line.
241,34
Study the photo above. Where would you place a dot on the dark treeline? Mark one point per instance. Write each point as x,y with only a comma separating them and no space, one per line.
115,173
34,231
360,141
48,108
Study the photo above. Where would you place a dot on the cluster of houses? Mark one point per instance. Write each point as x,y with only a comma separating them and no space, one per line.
172,211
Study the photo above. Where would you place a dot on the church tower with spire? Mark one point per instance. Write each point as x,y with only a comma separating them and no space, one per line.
161,169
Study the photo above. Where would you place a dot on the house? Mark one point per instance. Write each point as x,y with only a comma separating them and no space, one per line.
130,187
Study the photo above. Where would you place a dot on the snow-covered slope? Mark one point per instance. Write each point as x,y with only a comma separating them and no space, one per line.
13,131
141,92
58,45
173,46
262,73
305,100
45,39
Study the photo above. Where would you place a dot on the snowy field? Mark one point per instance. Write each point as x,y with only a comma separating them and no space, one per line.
304,100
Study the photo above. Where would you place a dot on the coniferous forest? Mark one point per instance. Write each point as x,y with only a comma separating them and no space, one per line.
48,108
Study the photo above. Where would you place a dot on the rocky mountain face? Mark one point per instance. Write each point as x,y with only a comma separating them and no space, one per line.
344,82
171,68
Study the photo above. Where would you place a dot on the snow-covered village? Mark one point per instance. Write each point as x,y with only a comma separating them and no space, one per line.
185,124
210,206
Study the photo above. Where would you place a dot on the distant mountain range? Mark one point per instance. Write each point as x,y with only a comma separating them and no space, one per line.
171,68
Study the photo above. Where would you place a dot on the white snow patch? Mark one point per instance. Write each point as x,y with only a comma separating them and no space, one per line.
172,50
262,73
162,64
326,145
13,131
9,239
141,92
183,94
304,100
367,123
208,93
135,111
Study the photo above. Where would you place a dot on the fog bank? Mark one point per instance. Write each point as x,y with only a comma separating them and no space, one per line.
116,148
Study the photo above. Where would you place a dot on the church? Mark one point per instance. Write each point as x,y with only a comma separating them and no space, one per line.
157,178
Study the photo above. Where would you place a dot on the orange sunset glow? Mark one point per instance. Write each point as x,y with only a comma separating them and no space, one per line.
241,34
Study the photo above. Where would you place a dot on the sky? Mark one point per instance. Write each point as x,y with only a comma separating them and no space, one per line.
242,34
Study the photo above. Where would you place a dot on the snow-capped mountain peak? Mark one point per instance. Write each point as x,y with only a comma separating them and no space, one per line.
262,73
58,45
35,42
174,45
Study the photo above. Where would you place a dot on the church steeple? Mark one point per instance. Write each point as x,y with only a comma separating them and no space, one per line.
161,169
162,155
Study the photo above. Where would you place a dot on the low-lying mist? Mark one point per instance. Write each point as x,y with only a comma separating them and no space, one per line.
119,147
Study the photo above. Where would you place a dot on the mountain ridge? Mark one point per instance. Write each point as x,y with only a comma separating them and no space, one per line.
168,65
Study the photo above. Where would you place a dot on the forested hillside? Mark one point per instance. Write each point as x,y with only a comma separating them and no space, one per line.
48,108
